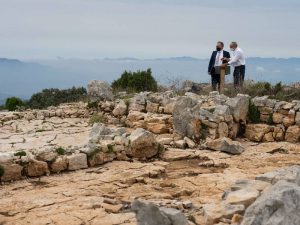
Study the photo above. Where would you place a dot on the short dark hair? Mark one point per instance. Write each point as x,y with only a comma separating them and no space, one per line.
220,42
234,43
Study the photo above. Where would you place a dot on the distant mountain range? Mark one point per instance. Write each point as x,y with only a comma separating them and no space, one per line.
19,78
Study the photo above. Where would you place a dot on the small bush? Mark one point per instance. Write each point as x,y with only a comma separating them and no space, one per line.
110,148
13,103
253,113
54,97
92,105
135,82
91,154
60,151
97,118
20,154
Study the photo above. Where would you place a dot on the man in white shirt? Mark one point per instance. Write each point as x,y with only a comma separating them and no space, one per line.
239,63
216,61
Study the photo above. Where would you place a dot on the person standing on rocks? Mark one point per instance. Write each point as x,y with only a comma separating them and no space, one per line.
238,61
215,63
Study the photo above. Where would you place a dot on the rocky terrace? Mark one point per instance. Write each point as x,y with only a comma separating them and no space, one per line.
196,154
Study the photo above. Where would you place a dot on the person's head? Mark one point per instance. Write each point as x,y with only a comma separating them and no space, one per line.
219,46
233,45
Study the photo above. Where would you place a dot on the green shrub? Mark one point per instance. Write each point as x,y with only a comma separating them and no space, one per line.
270,119
60,151
54,97
92,105
97,118
135,82
13,103
20,154
277,88
110,148
91,154
253,113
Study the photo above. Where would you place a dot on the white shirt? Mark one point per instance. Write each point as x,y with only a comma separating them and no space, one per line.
219,56
238,58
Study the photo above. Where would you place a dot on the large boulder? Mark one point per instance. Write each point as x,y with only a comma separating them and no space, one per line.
150,214
99,91
185,122
225,145
142,144
278,205
239,107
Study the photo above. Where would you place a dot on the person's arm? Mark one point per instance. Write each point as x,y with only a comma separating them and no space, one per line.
210,65
237,56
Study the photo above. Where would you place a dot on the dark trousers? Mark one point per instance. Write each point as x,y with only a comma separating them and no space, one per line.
215,80
239,76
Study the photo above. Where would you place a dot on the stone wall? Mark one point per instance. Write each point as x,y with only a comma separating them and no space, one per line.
71,110
280,121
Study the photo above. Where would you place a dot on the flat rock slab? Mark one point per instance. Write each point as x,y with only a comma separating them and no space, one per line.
174,154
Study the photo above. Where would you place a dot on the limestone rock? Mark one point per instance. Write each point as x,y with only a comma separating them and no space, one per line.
157,128
77,161
244,196
223,130
142,144
184,122
150,214
37,168
225,145
277,118
256,132
99,91
59,164
214,212
152,107
239,107
279,205
12,172
138,102
288,174
175,216
120,109
293,134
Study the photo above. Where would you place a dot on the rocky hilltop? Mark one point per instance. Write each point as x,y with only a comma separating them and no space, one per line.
152,158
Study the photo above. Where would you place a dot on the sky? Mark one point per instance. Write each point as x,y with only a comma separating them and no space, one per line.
88,29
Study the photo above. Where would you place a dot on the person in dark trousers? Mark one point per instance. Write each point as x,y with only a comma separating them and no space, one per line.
238,61
216,60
